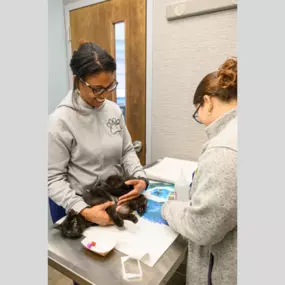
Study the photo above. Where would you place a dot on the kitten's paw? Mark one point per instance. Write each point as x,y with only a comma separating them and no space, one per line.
141,210
119,223
134,219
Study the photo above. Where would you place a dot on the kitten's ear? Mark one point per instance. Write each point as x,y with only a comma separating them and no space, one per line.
57,226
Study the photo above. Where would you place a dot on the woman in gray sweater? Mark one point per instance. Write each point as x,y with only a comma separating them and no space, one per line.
209,219
88,139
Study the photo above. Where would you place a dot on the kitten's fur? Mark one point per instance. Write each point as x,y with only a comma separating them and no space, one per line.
110,190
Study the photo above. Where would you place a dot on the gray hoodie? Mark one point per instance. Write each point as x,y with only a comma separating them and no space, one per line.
209,219
85,144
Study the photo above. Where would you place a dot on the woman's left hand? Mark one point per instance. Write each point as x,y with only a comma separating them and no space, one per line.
139,186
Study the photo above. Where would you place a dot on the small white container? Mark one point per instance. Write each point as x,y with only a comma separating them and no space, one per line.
101,247
181,188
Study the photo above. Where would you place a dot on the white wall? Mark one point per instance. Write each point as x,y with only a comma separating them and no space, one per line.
57,55
65,2
183,52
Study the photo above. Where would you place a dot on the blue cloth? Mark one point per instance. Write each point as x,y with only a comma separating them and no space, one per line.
57,212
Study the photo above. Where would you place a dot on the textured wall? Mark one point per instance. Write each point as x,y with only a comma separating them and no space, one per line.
183,52
57,55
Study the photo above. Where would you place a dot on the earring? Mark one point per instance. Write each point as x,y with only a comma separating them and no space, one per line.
210,110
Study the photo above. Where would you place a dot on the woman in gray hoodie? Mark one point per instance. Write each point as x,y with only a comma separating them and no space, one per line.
88,139
209,219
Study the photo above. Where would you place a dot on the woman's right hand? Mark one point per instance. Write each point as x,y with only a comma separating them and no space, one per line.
97,214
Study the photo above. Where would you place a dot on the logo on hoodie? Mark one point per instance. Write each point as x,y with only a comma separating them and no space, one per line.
114,125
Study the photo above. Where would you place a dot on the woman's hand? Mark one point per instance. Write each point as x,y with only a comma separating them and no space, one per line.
97,214
139,186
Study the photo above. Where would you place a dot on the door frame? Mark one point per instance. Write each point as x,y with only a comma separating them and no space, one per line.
149,48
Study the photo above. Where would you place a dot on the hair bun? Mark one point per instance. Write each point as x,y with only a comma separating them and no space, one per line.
82,42
227,73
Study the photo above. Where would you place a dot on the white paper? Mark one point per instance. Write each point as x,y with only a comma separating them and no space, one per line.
145,241
169,169
150,237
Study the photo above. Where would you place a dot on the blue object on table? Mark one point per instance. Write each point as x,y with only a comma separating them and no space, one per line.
153,212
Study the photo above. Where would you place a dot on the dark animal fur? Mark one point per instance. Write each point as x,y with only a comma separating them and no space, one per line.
110,190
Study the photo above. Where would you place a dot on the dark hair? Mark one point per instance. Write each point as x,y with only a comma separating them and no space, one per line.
221,83
90,59
87,60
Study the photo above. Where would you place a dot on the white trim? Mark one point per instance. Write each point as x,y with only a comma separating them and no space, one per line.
68,45
83,3
149,48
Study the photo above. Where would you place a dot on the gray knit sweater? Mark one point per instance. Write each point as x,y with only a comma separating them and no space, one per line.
209,219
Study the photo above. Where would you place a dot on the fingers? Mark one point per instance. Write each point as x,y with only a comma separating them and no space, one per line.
107,222
131,182
120,202
105,219
139,185
133,194
130,194
106,205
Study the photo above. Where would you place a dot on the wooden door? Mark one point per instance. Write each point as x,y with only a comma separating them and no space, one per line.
99,23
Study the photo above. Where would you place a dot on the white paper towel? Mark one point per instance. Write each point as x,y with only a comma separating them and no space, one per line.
145,241
169,169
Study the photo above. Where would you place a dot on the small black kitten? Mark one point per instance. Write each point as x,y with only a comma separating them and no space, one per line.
110,190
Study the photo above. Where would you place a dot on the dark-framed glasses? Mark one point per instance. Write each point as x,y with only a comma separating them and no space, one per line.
195,115
100,90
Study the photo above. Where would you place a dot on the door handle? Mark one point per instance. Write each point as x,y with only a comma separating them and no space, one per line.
137,146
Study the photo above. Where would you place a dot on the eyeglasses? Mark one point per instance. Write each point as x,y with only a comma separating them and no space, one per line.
101,90
195,115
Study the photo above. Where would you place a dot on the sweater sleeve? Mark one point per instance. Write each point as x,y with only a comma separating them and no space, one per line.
59,190
130,160
212,211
